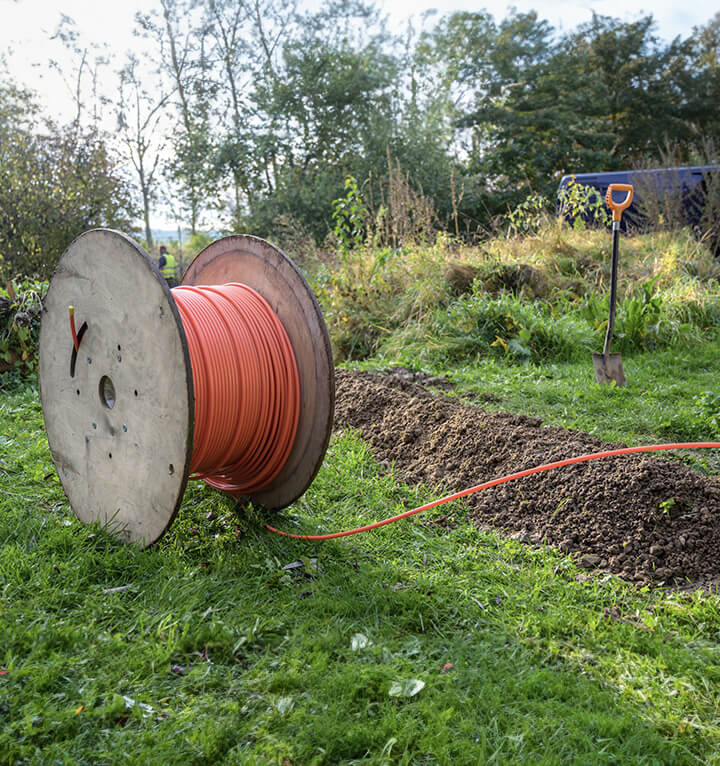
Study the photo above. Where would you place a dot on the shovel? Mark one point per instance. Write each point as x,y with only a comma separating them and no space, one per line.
608,367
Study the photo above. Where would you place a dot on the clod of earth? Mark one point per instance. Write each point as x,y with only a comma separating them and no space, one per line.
646,518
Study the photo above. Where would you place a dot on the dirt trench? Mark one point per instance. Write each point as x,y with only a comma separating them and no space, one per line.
645,517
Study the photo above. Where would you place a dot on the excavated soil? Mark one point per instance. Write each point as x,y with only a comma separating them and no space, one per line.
645,517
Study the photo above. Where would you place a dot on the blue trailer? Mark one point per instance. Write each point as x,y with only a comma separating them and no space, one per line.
685,186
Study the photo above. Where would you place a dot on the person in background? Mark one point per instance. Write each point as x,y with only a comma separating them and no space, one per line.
166,264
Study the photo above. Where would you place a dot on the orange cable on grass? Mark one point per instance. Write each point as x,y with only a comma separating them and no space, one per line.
501,480
246,383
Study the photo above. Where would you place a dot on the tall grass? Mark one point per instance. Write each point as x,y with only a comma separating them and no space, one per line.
538,296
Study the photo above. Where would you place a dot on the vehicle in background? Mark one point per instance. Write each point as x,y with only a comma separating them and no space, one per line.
662,196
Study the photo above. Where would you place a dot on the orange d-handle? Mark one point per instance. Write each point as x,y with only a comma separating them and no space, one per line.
618,207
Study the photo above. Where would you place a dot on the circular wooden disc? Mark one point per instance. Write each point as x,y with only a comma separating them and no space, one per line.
120,420
263,267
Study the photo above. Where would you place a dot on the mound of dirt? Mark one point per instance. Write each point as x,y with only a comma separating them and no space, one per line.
645,517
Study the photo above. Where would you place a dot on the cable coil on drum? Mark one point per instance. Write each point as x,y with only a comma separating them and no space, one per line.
247,392
227,378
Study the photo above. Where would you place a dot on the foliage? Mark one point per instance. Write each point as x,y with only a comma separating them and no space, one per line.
253,114
532,298
349,214
179,51
580,205
20,309
55,183
530,215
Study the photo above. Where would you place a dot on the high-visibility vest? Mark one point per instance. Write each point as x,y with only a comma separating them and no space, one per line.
168,270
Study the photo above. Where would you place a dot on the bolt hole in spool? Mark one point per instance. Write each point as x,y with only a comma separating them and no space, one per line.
106,390
204,341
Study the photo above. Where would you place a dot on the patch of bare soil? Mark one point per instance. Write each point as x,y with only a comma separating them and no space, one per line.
647,518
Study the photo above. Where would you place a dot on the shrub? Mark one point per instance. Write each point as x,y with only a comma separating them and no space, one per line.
55,183
20,309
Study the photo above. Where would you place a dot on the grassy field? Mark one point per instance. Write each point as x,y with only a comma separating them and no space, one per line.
414,644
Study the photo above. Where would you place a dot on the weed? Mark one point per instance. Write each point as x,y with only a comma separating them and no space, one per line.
350,215
531,215
542,296
581,205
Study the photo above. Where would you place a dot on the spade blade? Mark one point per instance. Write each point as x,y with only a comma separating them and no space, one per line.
608,367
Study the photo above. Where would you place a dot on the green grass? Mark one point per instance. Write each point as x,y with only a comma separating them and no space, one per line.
212,652
669,395
536,297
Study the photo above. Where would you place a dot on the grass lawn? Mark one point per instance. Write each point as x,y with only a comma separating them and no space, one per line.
413,644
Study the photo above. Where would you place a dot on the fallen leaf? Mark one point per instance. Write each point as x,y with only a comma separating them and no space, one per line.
407,688
118,589
359,641
143,706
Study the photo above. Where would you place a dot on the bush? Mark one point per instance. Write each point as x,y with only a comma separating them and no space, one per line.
55,183
20,310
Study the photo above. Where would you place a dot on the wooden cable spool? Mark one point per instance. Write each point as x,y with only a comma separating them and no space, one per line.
120,411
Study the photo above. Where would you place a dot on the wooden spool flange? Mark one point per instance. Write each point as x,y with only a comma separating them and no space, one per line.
119,414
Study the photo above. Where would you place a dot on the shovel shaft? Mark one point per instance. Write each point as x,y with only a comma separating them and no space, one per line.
613,287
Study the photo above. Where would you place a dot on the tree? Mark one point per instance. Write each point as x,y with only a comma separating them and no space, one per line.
246,39
629,83
538,106
55,183
180,41
329,110
492,71
143,131
701,83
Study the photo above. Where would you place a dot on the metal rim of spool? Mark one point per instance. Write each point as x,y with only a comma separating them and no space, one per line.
119,413
265,268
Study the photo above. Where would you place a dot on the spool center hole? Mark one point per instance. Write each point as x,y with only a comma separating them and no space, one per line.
106,389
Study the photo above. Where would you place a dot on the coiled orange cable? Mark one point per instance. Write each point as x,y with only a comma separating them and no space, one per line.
247,388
